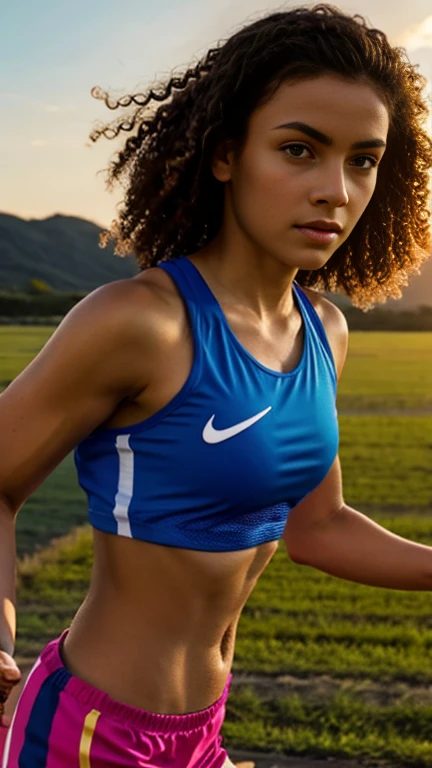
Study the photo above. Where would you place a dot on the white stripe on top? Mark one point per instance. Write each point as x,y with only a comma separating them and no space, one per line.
125,485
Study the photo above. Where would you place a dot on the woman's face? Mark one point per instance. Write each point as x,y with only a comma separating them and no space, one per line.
310,155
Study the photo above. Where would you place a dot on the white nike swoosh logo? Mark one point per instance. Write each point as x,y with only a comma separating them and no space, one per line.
212,435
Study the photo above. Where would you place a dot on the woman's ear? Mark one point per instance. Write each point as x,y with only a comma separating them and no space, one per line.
222,160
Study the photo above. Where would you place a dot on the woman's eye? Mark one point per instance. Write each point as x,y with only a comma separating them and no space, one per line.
296,150
372,160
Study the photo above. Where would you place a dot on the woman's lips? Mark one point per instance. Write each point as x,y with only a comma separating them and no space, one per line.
319,235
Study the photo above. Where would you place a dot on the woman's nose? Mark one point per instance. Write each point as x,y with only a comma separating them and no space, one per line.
331,189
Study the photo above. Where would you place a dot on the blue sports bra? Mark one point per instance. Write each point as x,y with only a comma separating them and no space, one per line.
220,466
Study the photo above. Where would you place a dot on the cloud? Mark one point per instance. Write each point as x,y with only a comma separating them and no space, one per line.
39,143
417,36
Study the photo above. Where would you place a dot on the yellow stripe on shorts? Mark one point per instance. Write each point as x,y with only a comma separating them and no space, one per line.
87,738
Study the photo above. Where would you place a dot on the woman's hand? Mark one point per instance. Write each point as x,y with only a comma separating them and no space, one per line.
10,675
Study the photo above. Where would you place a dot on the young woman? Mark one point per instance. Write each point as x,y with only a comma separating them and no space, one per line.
200,395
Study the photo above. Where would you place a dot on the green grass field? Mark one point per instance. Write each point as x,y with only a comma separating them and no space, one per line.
18,347
325,667
387,370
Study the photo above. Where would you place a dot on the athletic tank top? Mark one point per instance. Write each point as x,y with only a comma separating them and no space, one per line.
220,466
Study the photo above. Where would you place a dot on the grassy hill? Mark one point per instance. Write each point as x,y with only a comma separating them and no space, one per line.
63,251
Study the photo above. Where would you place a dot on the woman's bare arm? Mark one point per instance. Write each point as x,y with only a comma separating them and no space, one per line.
100,354
7,580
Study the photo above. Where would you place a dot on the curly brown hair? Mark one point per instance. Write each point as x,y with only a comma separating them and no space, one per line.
173,204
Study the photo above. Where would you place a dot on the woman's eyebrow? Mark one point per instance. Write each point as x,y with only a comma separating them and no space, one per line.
323,139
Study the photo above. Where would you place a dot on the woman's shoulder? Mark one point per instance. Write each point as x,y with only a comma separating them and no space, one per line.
335,325
326,309
133,319
147,300
165,309
158,283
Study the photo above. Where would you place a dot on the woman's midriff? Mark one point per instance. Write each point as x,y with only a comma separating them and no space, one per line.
157,628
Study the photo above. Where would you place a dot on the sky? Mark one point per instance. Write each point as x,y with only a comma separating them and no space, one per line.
53,52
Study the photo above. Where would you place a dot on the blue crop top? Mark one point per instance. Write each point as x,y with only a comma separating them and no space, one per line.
220,466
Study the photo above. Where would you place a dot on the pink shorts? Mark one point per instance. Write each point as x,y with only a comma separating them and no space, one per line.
60,721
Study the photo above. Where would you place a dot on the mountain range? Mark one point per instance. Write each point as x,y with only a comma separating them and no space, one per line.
63,251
